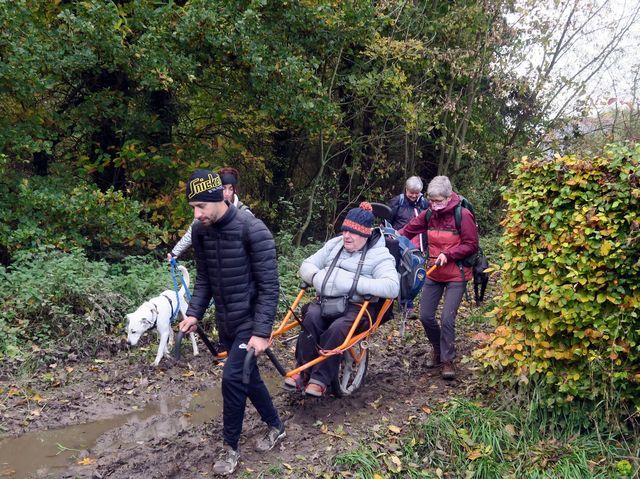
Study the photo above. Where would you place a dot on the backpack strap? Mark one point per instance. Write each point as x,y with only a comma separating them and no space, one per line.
427,218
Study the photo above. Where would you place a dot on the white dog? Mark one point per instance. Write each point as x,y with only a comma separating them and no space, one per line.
158,312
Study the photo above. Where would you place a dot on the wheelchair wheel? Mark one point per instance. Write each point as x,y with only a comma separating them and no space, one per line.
353,368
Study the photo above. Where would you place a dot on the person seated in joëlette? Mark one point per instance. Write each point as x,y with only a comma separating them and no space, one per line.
343,272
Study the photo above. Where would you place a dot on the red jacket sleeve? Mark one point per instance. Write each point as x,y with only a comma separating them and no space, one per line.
416,226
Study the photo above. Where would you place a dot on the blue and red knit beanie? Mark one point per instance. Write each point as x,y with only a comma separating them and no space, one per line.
359,220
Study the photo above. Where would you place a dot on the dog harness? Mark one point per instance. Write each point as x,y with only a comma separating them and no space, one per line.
157,313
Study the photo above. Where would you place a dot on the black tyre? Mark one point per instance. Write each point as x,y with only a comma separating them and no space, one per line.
351,373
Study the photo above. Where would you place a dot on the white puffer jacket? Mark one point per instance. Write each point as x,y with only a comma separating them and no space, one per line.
378,277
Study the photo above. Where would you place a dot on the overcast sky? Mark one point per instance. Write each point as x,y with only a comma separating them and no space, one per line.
595,24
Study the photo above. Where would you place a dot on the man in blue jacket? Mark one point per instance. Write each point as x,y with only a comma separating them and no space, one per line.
236,266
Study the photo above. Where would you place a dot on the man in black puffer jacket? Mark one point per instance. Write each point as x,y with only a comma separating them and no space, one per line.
236,266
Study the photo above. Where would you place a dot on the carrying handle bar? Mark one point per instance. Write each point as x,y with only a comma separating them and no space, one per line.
203,336
246,368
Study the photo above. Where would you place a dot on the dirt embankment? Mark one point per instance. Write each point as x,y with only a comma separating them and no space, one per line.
398,390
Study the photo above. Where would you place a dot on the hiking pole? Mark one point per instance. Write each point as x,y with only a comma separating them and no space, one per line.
403,319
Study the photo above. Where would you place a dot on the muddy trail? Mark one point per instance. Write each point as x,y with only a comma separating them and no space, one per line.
116,416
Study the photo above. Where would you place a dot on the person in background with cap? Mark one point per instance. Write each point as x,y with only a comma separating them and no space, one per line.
236,266
378,278
229,177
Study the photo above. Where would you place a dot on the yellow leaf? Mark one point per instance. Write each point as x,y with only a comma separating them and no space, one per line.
426,409
605,247
87,461
377,476
473,455
394,429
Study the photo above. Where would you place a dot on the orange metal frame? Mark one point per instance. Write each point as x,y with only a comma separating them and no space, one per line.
289,322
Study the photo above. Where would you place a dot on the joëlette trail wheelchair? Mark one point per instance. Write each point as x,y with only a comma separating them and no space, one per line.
354,349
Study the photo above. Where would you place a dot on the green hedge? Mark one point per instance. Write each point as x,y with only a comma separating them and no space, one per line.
67,212
568,317
53,299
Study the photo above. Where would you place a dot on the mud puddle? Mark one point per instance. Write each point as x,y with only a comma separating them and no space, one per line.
41,453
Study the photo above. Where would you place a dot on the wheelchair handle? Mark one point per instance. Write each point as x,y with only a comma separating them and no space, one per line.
271,355
246,368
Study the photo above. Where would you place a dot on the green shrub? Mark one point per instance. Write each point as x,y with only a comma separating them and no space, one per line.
289,260
67,213
568,318
53,299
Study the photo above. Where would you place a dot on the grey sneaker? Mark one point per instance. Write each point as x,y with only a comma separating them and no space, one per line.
270,439
228,461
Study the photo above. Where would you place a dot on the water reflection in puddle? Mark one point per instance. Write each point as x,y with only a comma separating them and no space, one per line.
42,453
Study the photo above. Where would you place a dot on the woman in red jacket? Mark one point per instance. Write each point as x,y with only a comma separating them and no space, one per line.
447,248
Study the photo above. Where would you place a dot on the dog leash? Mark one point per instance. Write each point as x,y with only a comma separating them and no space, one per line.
175,287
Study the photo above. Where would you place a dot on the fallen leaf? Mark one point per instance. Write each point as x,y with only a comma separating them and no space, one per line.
426,409
510,429
473,455
87,461
394,429
481,337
